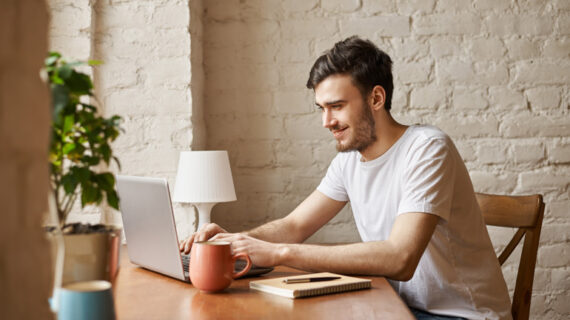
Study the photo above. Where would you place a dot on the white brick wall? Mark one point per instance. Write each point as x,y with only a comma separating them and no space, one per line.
492,74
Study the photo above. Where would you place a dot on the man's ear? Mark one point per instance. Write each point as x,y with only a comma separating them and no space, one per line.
377,98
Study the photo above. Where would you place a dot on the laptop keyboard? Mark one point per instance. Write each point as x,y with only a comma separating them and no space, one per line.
240,264
185,262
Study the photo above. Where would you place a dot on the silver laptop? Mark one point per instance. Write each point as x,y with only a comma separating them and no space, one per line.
150,230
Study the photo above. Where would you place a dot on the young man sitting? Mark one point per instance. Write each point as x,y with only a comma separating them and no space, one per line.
410,192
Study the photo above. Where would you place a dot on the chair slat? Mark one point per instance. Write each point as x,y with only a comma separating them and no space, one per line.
511,246
509,211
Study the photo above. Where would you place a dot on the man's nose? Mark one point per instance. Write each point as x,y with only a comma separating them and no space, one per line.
328,119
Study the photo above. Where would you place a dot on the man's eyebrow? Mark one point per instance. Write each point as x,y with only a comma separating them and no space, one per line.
328,103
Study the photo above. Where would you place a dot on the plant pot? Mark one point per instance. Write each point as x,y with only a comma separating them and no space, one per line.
90,256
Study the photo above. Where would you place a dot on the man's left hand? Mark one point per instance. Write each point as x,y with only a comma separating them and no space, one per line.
261,253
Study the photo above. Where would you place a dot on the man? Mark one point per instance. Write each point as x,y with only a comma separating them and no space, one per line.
411,196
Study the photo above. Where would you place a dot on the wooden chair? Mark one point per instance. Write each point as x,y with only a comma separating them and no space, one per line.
525,213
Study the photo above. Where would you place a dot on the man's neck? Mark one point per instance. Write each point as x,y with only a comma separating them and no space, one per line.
388,131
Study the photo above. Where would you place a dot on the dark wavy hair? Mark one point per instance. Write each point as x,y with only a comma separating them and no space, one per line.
362,60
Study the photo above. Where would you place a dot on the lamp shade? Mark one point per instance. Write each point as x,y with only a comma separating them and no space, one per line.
204,176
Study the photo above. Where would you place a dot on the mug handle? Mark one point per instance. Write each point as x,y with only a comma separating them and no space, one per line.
247,266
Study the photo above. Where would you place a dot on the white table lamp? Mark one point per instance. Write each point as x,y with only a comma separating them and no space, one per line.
204,178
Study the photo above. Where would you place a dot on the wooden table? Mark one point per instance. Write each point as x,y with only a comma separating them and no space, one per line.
143,294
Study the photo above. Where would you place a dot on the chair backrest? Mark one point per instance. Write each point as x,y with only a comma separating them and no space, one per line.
525,213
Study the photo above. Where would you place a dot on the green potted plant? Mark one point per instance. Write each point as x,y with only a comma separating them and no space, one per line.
80,150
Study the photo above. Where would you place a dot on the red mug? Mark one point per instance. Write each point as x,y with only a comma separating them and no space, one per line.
212,265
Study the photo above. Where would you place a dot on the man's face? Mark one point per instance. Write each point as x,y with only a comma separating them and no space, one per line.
345,113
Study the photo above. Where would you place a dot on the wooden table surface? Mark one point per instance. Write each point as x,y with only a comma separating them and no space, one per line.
143,294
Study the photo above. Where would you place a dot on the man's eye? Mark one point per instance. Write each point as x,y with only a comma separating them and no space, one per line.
320,108
336,106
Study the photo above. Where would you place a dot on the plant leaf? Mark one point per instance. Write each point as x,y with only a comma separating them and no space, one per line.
79,83
65,72
60,99
90,160
68,123
88,194
113,199
69,183
52,58
118,162
68,147
105,152
106,181
94,62
83,174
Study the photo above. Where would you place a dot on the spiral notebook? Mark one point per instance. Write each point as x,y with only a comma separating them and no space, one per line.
299,290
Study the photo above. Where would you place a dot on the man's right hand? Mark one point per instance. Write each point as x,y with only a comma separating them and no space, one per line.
206,232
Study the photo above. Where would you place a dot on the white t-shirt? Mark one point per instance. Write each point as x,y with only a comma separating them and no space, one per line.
458,274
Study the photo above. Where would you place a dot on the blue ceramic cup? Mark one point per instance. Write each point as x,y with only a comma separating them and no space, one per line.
88,300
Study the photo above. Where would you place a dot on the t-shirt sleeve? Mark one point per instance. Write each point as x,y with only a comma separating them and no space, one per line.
332,184
428,179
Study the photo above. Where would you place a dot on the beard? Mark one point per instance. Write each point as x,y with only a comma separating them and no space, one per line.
364,133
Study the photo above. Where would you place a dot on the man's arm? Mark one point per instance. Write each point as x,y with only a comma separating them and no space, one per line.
274,243
309,216
313,213
395,258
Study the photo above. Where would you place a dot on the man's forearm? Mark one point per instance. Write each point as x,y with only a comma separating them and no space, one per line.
277,231
365,258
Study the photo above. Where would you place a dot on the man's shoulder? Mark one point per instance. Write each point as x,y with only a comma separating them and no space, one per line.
423,133
427,131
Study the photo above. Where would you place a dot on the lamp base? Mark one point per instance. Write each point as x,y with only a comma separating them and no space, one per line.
204,211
